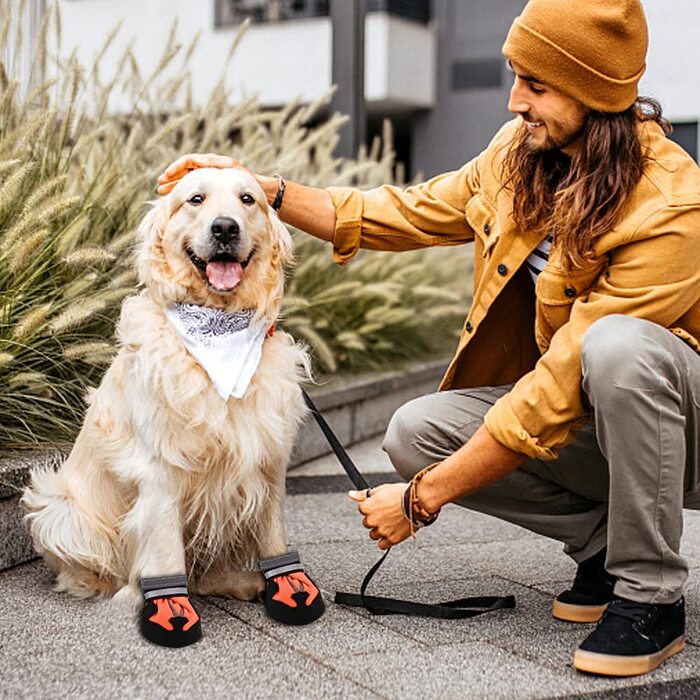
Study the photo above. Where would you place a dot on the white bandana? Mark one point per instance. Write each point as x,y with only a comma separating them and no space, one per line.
227,345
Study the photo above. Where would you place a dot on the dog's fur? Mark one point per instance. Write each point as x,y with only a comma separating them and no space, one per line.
165,476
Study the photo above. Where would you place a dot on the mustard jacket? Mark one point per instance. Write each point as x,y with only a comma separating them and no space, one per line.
648,267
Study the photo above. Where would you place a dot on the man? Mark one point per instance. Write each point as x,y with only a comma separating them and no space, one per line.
572,405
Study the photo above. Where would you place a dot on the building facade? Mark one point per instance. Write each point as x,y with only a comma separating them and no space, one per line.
433,67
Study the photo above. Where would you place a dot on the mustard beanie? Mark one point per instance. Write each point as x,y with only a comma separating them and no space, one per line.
591,50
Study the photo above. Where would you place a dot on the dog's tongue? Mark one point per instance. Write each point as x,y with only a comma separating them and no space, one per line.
224,274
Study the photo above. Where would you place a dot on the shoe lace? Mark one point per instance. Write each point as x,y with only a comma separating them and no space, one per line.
629,610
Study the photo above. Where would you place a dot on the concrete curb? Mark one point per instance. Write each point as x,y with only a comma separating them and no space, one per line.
356,408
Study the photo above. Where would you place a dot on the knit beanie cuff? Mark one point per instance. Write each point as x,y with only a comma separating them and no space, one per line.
538,56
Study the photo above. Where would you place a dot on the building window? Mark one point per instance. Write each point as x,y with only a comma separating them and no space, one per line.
476,74
236,11
417,10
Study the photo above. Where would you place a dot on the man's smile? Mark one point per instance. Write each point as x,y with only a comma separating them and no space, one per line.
533,125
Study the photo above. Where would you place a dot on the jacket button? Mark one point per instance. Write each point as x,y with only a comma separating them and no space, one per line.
502,269
487,228
570,292
469,327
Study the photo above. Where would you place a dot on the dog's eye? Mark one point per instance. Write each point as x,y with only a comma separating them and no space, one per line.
247,198
196,199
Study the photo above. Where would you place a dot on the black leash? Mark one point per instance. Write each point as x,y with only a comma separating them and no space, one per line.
448,610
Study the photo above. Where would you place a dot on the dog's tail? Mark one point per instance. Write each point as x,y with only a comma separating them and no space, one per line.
73,542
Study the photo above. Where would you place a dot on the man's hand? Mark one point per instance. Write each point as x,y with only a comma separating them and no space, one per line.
383,513
479,462
191,161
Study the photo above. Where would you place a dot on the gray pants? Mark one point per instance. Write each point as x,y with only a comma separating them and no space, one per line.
625,479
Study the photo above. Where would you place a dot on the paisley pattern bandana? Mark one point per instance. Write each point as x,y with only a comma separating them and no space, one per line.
227,345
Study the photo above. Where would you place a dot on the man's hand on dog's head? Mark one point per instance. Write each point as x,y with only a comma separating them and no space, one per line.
191,161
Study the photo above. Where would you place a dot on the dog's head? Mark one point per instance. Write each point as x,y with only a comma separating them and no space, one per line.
214,241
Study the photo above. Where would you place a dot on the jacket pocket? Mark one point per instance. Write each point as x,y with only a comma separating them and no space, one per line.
481,217
556,291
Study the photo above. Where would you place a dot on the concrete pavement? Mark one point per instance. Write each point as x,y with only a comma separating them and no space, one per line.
55,646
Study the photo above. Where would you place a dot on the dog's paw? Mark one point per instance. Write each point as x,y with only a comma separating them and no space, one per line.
291,596
128,596
170,621
241,585
245,585
168,617
253,588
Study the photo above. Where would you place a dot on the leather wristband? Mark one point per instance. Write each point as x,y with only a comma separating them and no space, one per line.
277,201
420,516
416,515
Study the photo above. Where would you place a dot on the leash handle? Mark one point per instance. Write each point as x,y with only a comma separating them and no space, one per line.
448,610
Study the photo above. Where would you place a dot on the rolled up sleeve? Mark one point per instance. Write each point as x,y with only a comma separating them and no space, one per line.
655,277
348,223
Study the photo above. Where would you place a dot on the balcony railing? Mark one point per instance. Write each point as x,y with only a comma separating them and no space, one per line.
236,11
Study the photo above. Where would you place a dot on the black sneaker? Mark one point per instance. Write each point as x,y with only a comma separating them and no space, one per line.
632,638
590,593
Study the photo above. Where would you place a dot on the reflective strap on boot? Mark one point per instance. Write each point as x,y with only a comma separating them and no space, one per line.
162,586
283,564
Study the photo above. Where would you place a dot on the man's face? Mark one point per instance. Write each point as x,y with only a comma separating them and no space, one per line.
553,120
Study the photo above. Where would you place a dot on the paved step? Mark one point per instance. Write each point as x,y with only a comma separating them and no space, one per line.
15,544
357,408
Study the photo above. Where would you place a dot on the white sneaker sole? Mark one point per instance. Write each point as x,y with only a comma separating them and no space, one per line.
610,665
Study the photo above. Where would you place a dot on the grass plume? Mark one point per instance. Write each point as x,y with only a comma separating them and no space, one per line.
74,179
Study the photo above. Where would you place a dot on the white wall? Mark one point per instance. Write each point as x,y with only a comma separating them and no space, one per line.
400,63
673,64
278,61
277,65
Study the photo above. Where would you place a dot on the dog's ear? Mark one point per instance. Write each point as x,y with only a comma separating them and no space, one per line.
281,236
149,237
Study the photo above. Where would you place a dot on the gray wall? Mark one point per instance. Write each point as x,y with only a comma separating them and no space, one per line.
465,119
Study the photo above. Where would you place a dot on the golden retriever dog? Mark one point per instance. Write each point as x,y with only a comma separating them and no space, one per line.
166,475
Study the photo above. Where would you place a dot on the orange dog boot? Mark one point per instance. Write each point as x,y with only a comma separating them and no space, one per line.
291,597
168,617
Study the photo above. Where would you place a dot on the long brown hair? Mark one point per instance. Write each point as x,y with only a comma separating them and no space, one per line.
579,199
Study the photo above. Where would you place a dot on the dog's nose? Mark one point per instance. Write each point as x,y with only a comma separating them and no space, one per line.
225,229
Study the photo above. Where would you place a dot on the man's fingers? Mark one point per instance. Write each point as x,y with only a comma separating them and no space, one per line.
166,187
177,168
361,496
191,161
358,496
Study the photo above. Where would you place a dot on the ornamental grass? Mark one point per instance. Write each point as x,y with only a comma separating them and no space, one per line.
75,179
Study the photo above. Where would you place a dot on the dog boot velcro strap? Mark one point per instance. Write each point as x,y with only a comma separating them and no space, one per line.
291,597
168,617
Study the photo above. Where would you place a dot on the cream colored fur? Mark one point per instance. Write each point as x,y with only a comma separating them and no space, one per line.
165,476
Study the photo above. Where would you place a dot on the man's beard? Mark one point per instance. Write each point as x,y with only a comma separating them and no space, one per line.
567,136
